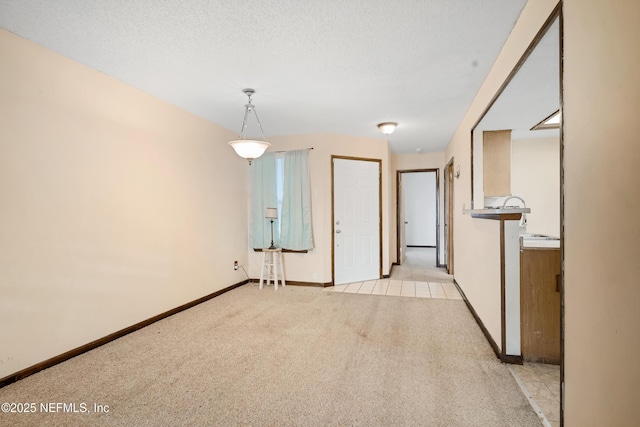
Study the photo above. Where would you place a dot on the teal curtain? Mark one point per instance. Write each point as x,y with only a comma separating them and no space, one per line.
263,196
295,226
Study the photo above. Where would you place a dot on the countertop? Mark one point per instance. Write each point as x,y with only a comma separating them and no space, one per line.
539,242
501,214
496,211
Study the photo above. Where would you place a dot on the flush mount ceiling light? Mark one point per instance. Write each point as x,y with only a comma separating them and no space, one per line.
387,127
249,149
551,122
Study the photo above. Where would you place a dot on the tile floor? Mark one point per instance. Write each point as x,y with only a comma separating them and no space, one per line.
542,385
400,288
418,277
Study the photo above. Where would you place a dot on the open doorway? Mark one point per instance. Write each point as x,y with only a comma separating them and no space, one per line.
418,218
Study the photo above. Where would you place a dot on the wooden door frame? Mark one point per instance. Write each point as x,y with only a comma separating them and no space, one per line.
398,200
449,188
333,221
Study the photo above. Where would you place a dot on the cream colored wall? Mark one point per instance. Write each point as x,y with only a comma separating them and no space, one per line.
601,250
115,206
474,240
602,205
315,266
535,176
407,162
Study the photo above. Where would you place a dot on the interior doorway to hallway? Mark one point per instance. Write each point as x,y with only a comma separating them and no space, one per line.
418,214
420,266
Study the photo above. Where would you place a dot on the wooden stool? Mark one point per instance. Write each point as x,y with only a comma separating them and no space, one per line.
272,263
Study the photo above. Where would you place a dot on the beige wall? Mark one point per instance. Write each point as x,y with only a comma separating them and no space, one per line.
401,162
315,266
535,176
601,250
115,206
476,262
602,205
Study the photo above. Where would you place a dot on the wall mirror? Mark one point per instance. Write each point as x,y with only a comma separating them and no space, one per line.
515,151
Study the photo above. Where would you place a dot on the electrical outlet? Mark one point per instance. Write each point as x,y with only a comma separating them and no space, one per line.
235,265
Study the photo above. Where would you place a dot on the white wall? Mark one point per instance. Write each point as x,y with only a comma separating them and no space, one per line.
535,176
419,196
116,206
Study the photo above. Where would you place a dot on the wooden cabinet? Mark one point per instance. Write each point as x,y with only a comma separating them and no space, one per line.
496,163
540,305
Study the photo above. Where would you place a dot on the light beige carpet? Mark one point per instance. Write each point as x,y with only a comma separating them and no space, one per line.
420,265
295,357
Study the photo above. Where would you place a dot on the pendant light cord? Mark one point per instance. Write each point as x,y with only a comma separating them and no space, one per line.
250,107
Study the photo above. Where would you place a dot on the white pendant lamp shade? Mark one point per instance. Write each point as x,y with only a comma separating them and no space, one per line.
249,149
387,127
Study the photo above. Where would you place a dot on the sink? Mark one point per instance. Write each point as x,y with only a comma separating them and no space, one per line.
538,241
537,237
504,207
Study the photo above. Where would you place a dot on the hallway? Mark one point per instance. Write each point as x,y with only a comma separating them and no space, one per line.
418,277
420,265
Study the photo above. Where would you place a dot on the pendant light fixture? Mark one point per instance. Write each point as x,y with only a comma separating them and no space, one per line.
249,148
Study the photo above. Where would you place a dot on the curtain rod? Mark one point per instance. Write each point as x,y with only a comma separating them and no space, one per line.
284,151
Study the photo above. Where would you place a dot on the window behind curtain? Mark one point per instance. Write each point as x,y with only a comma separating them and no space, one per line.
290,173
296,230
279,188
263,196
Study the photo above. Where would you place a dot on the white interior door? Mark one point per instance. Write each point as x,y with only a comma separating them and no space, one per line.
420,213
356,213
402,244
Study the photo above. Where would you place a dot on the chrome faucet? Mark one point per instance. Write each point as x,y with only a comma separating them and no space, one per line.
523,221
513,197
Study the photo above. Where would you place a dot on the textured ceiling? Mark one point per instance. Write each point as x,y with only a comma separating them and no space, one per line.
337,66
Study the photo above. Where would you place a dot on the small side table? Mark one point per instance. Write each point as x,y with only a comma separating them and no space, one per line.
272,267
